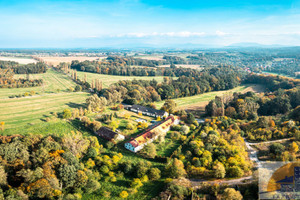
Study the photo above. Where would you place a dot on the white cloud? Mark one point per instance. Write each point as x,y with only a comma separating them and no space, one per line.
220,33
169,34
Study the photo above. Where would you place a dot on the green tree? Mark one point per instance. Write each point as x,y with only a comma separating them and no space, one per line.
190,118
136,183
154,174
175,169
235,171
219,170
169,106
67,114
78,88
3,176
276,149
150,150
123,194
92,185
231,194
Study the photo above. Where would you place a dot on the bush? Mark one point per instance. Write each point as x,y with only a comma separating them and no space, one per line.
92,186
123,195
78,88
67,114
185,129
154,174
235,171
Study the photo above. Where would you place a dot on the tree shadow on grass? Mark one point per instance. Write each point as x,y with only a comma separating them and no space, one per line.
75,105
121,183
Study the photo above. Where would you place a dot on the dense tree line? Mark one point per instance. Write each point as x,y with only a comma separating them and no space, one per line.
52,167
31,68
272,82
7,80
282,105
141,91
250,106
125,66
216,151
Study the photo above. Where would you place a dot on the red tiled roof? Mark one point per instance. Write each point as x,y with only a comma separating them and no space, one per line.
149,134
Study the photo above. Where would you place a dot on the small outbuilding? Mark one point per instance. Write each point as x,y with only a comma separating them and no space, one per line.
147,111
108,134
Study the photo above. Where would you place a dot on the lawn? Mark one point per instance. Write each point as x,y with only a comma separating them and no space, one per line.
109,79
55,126
30,110
168,147
53,81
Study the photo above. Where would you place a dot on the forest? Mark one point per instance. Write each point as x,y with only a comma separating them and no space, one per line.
32,68
267,116
139,91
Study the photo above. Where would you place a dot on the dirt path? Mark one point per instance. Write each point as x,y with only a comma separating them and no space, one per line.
197,182
253,157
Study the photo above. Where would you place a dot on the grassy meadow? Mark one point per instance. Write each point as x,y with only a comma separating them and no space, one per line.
53,81
51,97
30,110
203,99
110,79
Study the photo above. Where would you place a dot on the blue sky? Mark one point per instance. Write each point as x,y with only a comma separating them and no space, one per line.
157,23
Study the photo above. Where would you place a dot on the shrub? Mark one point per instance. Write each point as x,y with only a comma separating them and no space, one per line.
78,88
123,194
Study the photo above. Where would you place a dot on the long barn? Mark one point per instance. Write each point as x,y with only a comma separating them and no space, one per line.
151,134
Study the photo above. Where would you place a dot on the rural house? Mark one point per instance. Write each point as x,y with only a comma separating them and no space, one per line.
108,134
147,111
151,134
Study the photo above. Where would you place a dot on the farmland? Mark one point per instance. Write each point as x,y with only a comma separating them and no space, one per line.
52,97
52,60
53,81
22,111
109,79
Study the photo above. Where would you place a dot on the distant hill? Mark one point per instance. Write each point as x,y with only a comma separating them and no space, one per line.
253,44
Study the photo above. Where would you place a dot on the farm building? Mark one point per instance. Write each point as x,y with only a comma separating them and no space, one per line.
108,134
151,134
147,111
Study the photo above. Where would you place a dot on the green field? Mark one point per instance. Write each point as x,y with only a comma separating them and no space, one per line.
53,81
18,112
51,97
54,127
197,100
277,74
109,79
21,111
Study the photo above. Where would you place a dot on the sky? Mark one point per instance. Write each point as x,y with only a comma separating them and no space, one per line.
147,23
